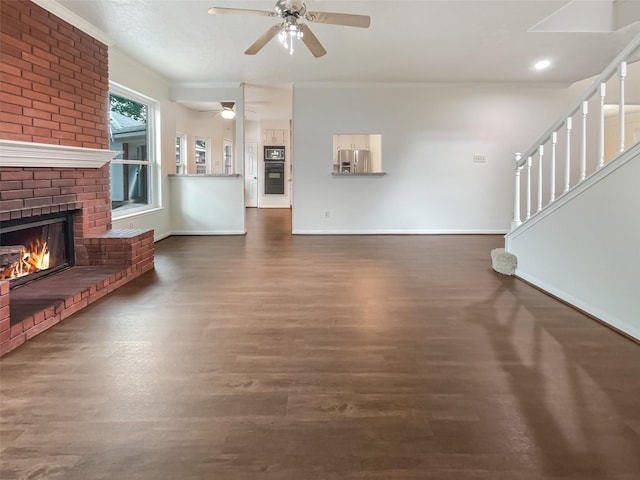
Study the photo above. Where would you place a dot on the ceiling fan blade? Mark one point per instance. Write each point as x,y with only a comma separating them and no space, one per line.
311,41
346,19
266,13
263,40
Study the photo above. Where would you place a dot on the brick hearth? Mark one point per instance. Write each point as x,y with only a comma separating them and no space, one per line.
54,91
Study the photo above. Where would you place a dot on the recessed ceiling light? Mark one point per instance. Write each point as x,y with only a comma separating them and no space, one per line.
542,64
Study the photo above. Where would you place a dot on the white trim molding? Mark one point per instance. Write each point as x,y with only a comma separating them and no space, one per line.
27,154
74,19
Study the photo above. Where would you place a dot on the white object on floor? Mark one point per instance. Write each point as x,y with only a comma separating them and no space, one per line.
503,262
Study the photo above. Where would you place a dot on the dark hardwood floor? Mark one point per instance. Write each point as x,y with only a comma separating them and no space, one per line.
279,357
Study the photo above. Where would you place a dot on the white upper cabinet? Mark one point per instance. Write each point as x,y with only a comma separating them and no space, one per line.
349,142
274,137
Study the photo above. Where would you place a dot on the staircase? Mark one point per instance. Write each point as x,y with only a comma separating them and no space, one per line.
576,221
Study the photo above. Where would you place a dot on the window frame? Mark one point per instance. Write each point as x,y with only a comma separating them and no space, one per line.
181,162
207,154
228,144
152,163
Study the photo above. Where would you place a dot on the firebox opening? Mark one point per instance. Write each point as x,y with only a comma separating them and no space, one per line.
35,246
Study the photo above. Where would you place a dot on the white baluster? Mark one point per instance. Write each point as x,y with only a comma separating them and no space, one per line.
622,73
554,140
541,152
603,90
516,204
529,163
583,153
567,165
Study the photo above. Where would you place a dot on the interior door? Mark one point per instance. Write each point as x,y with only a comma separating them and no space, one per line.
251,174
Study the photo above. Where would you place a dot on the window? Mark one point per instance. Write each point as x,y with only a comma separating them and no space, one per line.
180,153
202,155
131,133
228,157
358,153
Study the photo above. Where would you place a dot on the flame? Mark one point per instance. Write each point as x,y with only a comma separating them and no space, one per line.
34,259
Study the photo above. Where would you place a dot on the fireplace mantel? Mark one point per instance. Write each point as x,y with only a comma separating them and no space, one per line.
27,154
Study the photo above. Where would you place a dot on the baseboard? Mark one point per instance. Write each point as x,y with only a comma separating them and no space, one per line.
620,326
208,232
398,232
161,237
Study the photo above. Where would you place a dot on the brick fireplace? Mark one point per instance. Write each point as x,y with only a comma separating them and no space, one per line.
54,158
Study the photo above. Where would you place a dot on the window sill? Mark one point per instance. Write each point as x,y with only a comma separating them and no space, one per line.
133,212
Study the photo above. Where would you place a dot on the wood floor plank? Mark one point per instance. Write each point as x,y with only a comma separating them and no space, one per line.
279,357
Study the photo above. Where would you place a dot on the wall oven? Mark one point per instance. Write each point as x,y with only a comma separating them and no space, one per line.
274,178
274,170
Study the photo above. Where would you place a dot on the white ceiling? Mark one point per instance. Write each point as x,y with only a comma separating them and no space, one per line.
408,41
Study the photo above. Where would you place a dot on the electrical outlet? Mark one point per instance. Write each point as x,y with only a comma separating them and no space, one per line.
327,214
479,158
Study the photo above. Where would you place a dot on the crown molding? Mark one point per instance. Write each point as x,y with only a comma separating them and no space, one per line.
77,21
27,154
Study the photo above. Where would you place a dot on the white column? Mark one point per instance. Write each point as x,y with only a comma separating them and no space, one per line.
622,73
603,92
567,164
554,140
541,152
516,204
529,163
583,153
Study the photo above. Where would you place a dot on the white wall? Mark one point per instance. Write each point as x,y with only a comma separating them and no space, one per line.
204,205
429,136
585,249
612,133
213,127
215,205
132,75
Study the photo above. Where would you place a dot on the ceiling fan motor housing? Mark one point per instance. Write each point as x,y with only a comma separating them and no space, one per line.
287,8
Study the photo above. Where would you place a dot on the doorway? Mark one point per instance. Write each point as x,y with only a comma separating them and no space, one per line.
267,124
251,174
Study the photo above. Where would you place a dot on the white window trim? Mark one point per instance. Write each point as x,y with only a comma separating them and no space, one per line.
153,151
207,153
183,152
228,143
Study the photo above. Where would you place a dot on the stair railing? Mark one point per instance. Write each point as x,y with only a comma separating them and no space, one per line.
536,154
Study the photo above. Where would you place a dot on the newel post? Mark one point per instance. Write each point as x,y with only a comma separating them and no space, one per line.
622,73
554,141
516,204
583,152
528,207
541,156
603,93
567,164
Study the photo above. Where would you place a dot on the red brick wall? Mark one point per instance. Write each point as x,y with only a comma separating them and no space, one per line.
54,79
27,192
54,88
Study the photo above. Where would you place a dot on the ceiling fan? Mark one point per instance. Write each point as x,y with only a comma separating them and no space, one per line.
228,111
291,11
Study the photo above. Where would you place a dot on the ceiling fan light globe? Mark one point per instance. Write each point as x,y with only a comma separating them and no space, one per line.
227,114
